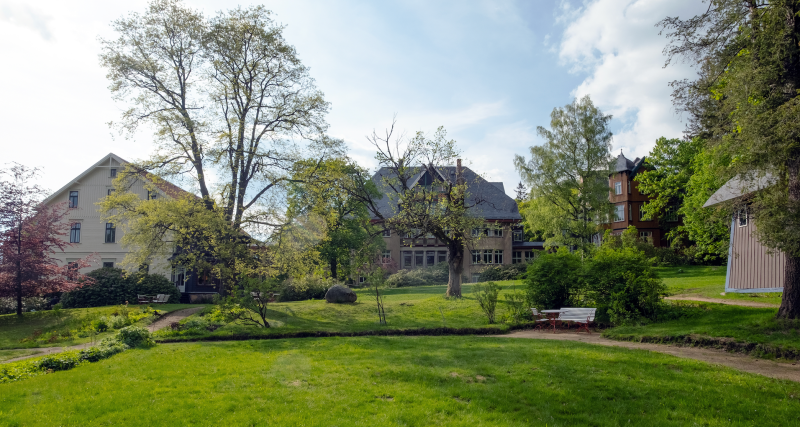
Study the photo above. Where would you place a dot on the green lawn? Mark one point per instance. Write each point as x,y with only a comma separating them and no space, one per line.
743,324
407,381
707,282
22,332
417,307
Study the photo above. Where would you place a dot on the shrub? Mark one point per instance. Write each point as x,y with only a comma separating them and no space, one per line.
112,287
517,309
60,361
118,322
104,350
436,275
623,285
135,336
100,324
486,295
9,305
503,272
554,280
305,288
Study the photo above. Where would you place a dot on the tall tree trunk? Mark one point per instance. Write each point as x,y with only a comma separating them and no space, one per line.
455,261
790,302
334,268
19,269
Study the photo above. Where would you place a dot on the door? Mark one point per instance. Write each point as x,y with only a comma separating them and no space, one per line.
179,278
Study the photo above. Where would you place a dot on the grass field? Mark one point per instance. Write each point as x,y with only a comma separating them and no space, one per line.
408,381
709,282
417,307
18,332
744,324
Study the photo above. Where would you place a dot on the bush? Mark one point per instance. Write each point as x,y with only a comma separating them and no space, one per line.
517,306
504,272
486,295
106,349
118,322
100,324
555,280
60,361
9,305
436,275
305,288
623,285
135,336
111,287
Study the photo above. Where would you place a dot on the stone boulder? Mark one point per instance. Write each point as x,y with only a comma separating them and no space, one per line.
339,294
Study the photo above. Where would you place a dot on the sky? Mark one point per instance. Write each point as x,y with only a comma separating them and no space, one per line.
490,72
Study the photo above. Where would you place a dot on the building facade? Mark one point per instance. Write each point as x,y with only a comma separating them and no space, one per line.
499,242
90,234
627,204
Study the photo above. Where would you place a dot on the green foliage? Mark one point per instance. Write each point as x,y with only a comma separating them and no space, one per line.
112,287
555,280
100,324
503,272
517,304
305,288
427,276
135,336
60,361
568,175
486,295
623,285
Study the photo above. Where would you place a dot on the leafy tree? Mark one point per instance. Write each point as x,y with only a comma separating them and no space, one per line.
30,232
755,48
568,175
554,280
226,97
440,209
522,192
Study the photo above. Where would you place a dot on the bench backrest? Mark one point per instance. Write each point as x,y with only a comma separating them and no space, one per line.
577,314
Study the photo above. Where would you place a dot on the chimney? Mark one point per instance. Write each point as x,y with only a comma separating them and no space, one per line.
459,179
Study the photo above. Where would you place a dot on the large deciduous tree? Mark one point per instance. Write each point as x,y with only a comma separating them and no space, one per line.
568,175
752,48
30,233
231,107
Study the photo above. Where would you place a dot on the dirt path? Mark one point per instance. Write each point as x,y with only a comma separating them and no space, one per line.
161,323
689,297
769,368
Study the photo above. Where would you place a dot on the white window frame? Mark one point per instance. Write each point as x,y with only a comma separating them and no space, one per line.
619,213
618,188
742,219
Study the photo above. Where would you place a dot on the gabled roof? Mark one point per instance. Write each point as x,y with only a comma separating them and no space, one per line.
495,203
739,186
168,188
623,164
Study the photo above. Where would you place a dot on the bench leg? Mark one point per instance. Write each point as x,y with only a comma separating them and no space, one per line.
584,326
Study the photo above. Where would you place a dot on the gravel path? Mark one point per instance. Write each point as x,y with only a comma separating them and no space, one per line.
723,301
161,323
769,368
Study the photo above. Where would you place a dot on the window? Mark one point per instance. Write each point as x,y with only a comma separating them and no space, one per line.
516,257
387,232
430,258
113,173
362,279
529,255
476,232
151,195
671,214
419,258
442,256
517,235
144,268
111,233
72,268
386,256
641,213
179,276
73,199
110,190
488,256
498,256
476,257
108,264
647,236
75,233
630,209
617,188
407,259
619,213
742,218
629,186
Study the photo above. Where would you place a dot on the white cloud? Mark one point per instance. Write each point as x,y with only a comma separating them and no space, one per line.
617,44
26,16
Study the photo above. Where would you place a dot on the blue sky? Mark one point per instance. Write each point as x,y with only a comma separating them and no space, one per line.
488,71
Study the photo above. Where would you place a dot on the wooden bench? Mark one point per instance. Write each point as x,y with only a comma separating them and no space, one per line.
580,316
144,299
161,299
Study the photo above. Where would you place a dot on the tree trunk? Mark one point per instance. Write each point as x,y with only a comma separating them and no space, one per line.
790,302
19,269
455,261
334,268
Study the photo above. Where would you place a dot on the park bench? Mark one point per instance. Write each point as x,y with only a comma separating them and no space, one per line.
161,299
580,316
539,318
144,299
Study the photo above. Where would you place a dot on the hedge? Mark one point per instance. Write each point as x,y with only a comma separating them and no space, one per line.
112,287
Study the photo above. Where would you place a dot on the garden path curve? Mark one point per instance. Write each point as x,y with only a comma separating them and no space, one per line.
161,323
769,368
689,297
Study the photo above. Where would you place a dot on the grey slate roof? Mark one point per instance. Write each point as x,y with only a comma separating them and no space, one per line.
495,204
623,164
738,187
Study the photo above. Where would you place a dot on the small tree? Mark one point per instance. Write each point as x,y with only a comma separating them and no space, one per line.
254,298
486,295
30,232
